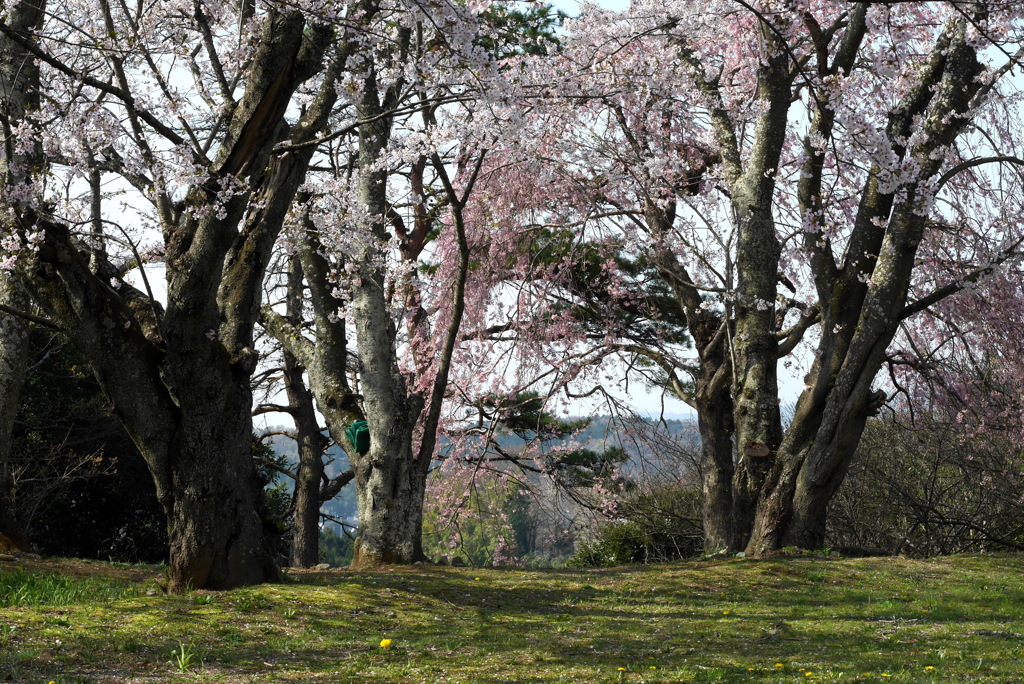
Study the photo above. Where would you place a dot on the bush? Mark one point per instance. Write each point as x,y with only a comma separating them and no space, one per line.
620,543
658,523
929,489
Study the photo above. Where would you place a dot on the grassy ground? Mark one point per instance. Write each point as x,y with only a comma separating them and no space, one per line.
958,619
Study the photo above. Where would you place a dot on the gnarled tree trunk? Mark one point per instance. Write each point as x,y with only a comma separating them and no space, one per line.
19,93
178,376
13,365
863,316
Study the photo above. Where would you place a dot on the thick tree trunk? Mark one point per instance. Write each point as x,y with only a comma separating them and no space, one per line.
715,422
216,520
861,318
755,346
812,495
19,94
756,409
13,364
792,510
179,379
220,535
390,480
390,487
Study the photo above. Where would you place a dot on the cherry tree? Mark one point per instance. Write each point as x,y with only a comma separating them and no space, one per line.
798,176
18,74
384,244
157,137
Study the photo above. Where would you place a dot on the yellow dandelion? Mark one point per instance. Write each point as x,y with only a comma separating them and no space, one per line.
929,668
384,643
886,674
750,669
808,673
622,669
654,667
477,579
726,612
779,665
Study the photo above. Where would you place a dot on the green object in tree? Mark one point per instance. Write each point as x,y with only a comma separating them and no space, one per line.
358,434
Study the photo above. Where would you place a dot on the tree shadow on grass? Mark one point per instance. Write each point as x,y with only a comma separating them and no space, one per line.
687,621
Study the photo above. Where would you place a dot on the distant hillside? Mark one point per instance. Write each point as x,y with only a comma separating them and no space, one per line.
660,445
341,507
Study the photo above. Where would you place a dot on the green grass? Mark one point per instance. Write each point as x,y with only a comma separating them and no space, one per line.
780,620
21,588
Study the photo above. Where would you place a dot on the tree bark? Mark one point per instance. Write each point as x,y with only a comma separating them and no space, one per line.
715,423
305,551
19,93
755,348
389,483
861,319
220,535
13,365
179,378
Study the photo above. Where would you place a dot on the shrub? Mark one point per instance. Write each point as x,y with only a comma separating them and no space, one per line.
930,488
658,523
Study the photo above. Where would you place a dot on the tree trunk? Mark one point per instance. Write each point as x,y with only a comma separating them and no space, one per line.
179,378
807,522
13,363
328,363
216,519
715,422
754,344
390,481
19,94
832,411
390,487
796,494
305,551
756,399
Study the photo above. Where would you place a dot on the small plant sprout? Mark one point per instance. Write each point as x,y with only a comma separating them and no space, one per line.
182,657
